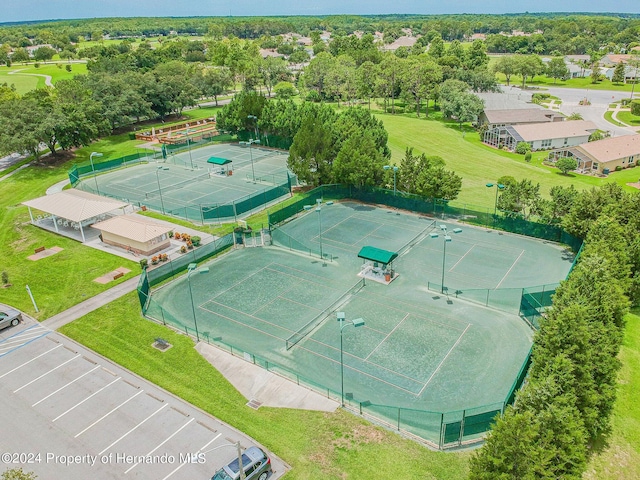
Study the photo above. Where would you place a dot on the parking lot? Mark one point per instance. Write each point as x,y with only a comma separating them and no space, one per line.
68,413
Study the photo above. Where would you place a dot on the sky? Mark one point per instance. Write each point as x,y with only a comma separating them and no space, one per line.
21,10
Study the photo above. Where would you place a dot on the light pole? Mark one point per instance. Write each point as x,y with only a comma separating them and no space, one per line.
395,169
239,452
251,142
358,322
159,189
447,238
193,267
319,210
95,175
498,186
186,134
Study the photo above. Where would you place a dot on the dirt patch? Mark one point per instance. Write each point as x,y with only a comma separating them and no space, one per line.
634,185
49,161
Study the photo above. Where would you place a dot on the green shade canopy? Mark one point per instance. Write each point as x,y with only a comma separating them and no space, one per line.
218,160
377,255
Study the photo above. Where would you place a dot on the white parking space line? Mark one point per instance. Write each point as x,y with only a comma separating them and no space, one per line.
199,451
65,386
81,402
162,443
134,428
19,340
46,373
32,360
107,414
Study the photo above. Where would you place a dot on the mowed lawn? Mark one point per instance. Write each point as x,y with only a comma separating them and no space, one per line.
479,164
619,457
27,77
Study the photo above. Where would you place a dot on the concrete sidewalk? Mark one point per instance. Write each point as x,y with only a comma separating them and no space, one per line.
261,386
91,304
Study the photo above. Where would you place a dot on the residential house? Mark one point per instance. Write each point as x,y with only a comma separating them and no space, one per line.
541,136
603,156
522,116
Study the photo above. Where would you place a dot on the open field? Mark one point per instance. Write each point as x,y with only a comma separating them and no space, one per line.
27,77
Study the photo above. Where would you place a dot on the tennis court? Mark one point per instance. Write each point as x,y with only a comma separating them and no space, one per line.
419,349
173,187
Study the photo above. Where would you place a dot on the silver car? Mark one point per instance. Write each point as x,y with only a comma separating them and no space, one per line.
9,317
256,463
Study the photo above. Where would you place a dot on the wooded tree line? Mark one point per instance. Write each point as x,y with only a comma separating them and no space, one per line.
329,147
575,33
567,401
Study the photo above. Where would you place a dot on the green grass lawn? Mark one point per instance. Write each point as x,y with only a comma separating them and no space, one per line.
608,116
627,117
25,83
542,81
317,445
619,458
477,163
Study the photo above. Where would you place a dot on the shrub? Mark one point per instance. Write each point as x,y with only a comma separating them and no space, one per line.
284,90
171,232
5,278
522,148
618,168
635,107
183,249
313,96
527,157
144,263
196,240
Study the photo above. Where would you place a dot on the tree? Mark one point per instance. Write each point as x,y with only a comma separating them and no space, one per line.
20,55
476,56
556,69
311,155
17,474
575,116
44,53
436,47
418,76
359,162
520,198
285,90
464,107
566,164
426,176
618,73
506,65
528,66
635,107
214,81
272,70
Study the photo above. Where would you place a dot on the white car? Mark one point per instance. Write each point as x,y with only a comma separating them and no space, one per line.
9,317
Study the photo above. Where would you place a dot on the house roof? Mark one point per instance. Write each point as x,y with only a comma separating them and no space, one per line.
403,41
616,58
134,227
507,101
522,115
377,255
615,148
75,205
550,130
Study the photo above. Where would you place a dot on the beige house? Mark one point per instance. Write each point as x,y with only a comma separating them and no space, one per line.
135,233
603,156
541,136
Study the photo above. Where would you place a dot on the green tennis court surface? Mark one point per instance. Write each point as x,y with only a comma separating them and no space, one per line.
419,349
173,187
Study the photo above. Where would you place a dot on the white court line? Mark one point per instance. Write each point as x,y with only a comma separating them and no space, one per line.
46,373
509,271
33,359
107,414
65,386
162,443
462,257
388,335
445,357
81,402
102,452
185,462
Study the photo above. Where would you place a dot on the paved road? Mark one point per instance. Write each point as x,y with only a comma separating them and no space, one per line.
600,100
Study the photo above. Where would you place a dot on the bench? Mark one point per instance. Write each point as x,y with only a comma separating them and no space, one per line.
40,249
118,275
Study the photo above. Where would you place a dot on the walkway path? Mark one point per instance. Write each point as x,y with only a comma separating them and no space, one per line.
47,78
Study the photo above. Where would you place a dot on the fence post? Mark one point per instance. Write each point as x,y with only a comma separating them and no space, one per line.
398,419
